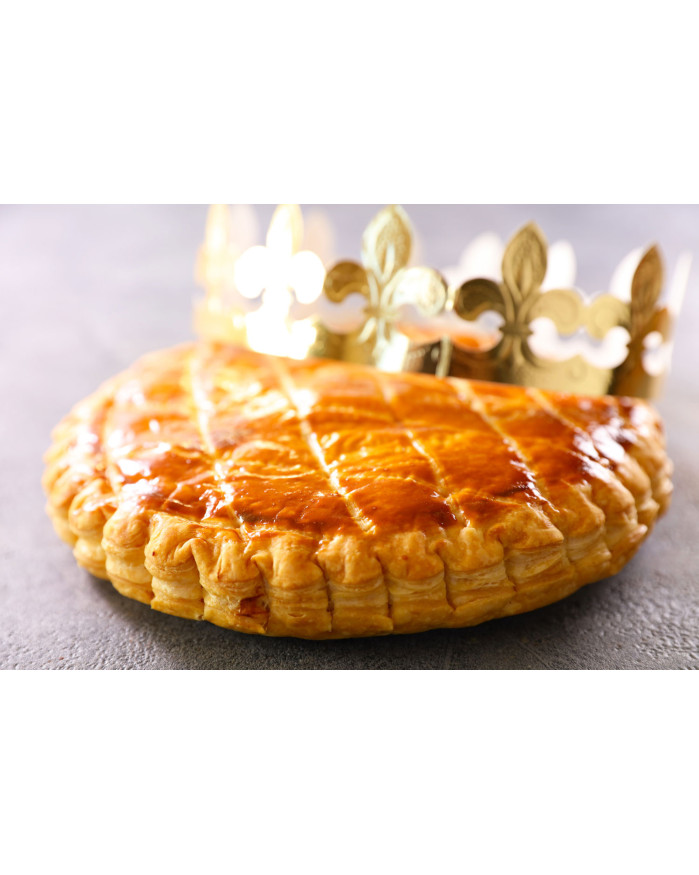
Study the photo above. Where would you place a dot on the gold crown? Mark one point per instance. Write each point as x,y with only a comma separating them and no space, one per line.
280,299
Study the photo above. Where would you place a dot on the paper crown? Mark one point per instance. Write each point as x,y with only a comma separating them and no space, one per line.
281,299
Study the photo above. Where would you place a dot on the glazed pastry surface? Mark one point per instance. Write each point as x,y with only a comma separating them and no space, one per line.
319,499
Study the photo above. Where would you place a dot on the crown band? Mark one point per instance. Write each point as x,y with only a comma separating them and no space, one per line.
303,311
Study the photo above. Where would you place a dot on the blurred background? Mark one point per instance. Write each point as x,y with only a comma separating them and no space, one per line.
86,290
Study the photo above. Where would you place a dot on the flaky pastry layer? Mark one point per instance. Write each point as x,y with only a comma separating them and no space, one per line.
319,499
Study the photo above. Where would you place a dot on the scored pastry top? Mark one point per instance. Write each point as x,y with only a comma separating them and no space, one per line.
321,498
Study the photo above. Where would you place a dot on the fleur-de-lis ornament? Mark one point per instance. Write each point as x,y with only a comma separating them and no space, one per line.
281,266
387,284
279,273
250,291
519,299
644,318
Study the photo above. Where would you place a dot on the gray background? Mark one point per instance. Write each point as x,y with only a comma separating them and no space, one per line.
85,290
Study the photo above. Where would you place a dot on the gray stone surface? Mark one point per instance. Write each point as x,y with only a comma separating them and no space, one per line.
87,290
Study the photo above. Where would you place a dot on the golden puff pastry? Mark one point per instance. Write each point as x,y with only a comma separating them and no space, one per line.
319,499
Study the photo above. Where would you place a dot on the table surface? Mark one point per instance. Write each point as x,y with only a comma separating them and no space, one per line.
86,290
